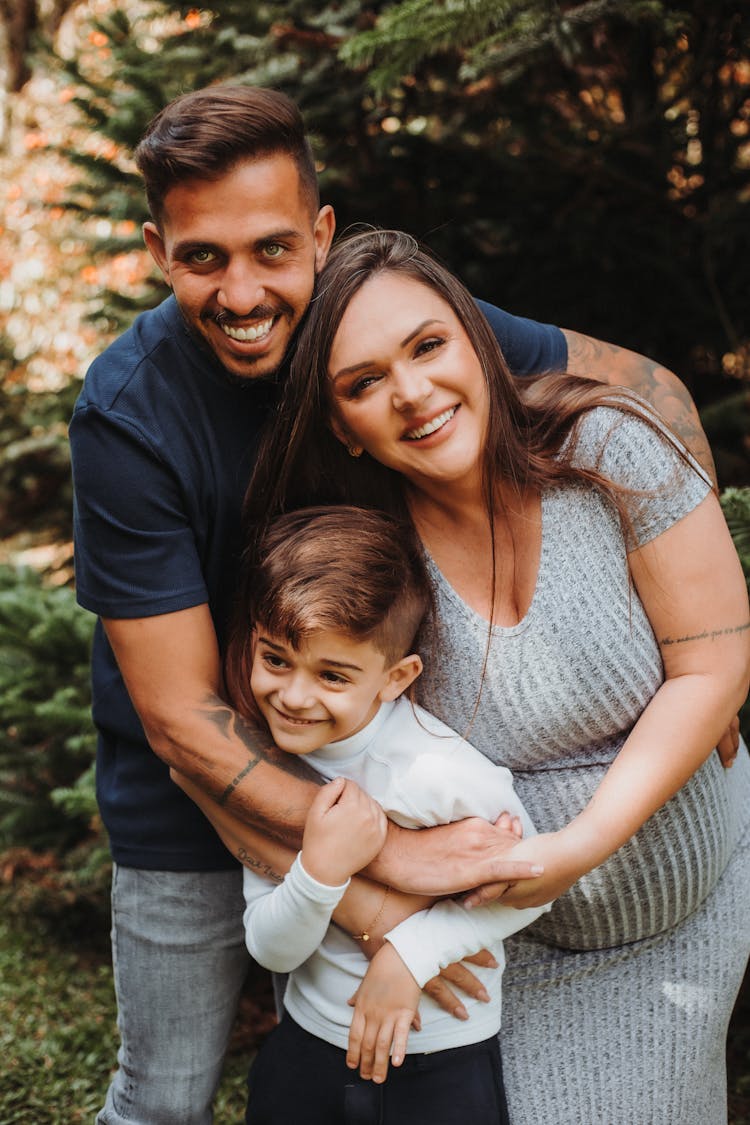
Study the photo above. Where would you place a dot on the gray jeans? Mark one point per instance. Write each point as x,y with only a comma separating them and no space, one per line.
179,960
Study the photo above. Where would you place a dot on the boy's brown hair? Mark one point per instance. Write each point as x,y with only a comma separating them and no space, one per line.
348,570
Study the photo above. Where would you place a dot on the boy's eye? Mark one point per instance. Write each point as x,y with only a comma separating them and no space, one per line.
334,678
273,661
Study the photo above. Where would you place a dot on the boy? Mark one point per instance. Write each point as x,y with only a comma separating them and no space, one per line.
338,595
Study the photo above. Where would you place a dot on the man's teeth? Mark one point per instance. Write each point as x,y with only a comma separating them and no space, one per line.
248,335
430,427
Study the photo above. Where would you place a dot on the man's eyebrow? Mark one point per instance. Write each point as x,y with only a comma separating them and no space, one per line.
369,362
187,245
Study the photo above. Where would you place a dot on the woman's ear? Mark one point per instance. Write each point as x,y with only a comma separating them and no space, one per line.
400,676
338,430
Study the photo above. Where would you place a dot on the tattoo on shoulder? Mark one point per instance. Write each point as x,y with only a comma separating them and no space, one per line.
258,866
708,635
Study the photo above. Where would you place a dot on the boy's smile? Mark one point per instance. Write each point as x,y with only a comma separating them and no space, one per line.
325,690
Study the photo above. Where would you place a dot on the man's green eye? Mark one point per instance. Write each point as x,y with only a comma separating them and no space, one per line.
203,256
273,250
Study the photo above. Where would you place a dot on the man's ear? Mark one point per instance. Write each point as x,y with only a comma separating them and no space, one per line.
156,248
401,676
325,226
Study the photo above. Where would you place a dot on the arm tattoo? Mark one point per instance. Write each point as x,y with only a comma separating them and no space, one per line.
708,635
256,741
258,866
607,363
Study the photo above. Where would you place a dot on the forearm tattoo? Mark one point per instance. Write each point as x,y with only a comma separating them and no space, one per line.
234,728
619,367
708,635
257,865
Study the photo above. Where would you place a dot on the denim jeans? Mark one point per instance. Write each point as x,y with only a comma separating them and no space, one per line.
179,960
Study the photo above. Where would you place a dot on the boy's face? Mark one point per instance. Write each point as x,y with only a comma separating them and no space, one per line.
240,253
325,690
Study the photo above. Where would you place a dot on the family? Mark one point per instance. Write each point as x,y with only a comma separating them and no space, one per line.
428,615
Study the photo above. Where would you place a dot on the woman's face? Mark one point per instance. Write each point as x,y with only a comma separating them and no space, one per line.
406,383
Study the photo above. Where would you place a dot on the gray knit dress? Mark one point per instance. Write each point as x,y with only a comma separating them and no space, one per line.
616,1003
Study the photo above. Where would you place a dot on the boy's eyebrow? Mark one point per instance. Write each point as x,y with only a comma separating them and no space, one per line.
326,660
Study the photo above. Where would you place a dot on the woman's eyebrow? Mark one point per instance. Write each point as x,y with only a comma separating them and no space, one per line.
369,362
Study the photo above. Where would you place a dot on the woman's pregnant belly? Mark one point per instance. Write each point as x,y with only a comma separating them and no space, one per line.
661,875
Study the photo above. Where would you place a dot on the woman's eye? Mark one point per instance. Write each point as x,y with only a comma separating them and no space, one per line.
429,345
361,384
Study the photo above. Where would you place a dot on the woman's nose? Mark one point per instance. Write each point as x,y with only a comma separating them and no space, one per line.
410,388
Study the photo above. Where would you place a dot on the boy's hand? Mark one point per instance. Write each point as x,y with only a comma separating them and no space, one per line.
385,1008
345,829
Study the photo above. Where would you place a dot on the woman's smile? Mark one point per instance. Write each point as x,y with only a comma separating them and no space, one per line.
406,383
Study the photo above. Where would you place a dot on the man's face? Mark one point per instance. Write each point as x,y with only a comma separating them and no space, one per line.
240,254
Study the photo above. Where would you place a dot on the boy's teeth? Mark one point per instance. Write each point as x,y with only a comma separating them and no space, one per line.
430,427
247,335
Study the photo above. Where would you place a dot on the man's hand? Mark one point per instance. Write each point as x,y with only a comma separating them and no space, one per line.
441,987
345,829
453,858
385,1008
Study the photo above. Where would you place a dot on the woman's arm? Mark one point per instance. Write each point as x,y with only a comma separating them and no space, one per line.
692,588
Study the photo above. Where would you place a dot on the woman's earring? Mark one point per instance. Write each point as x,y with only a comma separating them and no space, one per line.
354,450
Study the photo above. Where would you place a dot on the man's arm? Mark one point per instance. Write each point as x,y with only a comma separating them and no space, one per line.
171,667
608,363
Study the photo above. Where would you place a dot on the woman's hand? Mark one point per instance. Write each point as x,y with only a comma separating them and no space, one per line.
385,1009
565,859
344,830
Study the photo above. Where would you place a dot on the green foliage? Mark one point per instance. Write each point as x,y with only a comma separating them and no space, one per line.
736,505
47,739
582,163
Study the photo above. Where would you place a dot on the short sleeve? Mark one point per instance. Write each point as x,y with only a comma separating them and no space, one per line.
530,348
662,482
135,550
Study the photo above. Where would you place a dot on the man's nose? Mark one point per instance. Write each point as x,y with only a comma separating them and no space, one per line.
241,288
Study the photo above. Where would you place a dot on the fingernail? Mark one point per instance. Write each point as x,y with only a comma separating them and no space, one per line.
493,963
460,1013
537,869
484,996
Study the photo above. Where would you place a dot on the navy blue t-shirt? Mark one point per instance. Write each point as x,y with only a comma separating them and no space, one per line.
163,445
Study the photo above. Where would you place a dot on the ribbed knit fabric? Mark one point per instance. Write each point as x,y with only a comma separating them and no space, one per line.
617,1001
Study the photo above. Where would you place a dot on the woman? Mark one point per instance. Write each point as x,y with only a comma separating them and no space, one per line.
592,620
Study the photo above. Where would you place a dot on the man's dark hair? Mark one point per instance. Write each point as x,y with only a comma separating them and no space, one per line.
204,134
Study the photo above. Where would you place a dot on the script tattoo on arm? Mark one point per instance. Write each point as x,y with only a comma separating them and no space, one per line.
619,367
258,866
233,727
708,635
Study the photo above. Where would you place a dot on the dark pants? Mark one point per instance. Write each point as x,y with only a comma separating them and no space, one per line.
298,1079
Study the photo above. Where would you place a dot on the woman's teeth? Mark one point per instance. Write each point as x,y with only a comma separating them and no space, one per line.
431,427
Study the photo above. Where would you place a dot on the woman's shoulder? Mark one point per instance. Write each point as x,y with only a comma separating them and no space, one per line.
655,474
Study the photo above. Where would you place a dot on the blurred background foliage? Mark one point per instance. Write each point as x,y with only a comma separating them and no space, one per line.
583,162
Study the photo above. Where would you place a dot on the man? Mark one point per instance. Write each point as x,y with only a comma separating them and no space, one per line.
163,440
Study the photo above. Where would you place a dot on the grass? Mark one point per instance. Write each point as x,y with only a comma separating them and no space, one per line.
58,1037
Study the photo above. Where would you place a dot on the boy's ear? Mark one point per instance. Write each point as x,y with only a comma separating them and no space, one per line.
400,676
